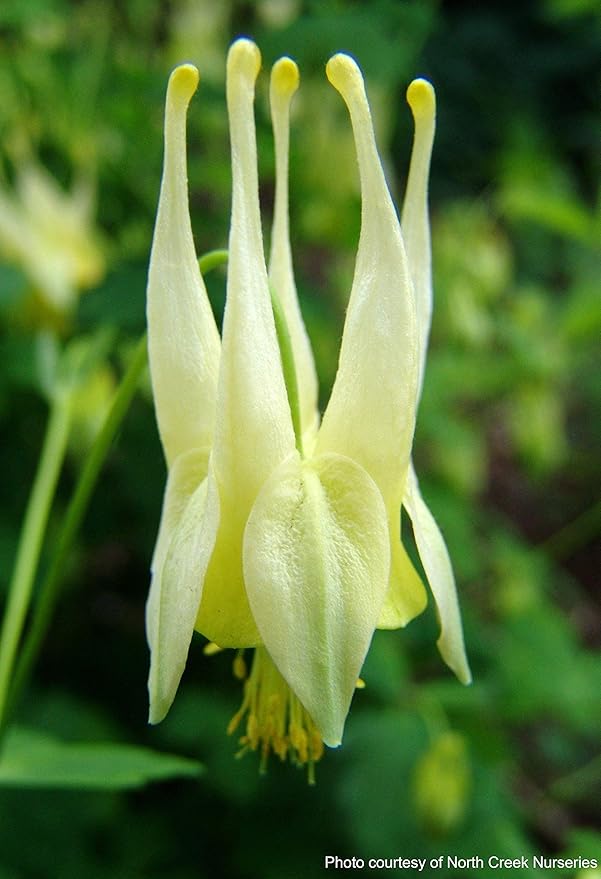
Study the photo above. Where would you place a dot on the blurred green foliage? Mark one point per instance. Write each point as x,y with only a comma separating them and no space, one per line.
508,433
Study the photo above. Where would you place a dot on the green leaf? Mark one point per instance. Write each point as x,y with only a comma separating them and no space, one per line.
33,759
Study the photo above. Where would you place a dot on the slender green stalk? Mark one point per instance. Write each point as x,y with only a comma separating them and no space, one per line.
50,587
211,260
30,541
433,715
20,594
575,534
288,366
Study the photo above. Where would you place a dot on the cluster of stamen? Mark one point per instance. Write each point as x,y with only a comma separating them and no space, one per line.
276,721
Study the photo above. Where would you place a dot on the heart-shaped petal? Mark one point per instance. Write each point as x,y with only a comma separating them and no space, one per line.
316,560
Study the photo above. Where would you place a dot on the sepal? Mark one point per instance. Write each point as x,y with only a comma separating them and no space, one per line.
437,565
316,560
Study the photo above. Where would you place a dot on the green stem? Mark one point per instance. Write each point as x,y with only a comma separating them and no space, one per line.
211,260
433,715
78,504
578,782
288,366
572,536
30,542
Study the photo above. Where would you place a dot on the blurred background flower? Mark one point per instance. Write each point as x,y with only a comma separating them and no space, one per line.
49,235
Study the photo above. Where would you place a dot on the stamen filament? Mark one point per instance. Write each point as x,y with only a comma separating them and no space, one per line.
212,259
275,719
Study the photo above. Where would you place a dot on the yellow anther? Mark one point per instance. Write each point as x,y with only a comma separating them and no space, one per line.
300,741
316,747
284,77
280,746
421,98
252,731
211,649
276,722
234,722
360,685
239,666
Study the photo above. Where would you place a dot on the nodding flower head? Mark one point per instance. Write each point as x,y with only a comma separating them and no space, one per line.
281,532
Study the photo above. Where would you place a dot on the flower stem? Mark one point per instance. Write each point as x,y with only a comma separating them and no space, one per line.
50,587
288,365
579,781
36,518
211,260
575,534
30,541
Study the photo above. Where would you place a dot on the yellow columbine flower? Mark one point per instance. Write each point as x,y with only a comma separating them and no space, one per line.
279,533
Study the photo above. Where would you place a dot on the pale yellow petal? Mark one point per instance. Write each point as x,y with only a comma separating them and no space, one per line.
187,472
224,615
371,413
406,597
437,565
185,475
316,559
177,590
414,220
183,341
284,83
254,430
